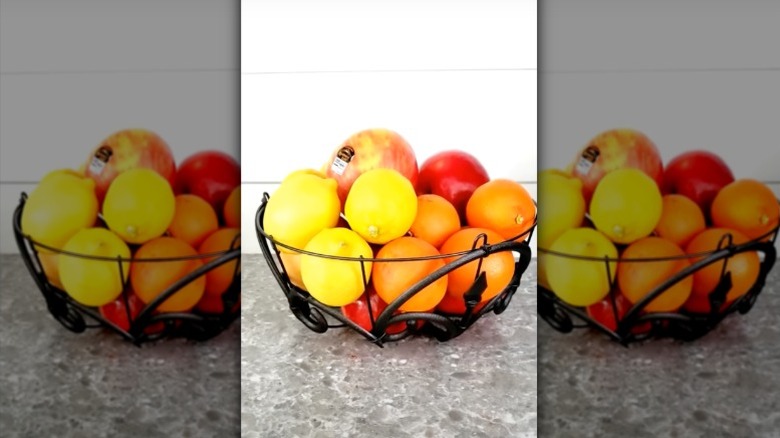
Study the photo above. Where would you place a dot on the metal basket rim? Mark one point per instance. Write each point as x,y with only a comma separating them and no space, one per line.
769,236
526,235
52,250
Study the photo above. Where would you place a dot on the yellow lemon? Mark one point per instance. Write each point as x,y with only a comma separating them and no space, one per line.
139,205
576,281
381,205
335,282
626,205
301,207
94,282
299,172
60,205
561,206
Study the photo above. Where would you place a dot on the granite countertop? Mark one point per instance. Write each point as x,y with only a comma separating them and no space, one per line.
58,383
725,384
297,383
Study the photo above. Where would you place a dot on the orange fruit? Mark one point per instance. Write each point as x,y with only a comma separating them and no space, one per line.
681,220
292,265
194,219
50,265
231,210
150,278
219,279
748,206
453,305
499,267
213,304
701,304
436,220
393,278
502,205
744,267
636,279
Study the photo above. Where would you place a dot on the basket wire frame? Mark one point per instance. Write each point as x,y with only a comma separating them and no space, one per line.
147,325
635,326
319,317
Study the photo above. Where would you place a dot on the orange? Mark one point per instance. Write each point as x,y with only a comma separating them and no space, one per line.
150,278
231,210
744,267
393,278
748,206
636,279
502,205
499,267
194,219
50,265
456,306
436,220
214,304
681,219
219,279
292,265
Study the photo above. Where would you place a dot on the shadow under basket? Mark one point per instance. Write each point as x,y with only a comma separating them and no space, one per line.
144,325
319,317
684,325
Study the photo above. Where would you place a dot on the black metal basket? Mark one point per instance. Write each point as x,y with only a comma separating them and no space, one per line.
683,325
319,317
148,325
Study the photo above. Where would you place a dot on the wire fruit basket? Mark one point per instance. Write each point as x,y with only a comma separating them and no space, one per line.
635,324
146,324
440,325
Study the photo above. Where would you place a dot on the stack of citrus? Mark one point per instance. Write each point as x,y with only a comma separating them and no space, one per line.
371,201
100,231
617,207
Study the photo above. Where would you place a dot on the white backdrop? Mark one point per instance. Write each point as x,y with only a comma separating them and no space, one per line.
443,75
690,75
68,80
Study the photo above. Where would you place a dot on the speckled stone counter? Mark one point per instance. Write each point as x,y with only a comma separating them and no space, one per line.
297,383
57,383
726,384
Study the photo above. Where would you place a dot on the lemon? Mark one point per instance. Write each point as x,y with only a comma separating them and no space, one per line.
381,205
562,206
94,282
301,207
336,282
626,205
60,205
139,205
299,172
576,281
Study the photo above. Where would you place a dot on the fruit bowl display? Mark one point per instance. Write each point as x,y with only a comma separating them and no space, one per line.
127,315
626,323
382,322
637,248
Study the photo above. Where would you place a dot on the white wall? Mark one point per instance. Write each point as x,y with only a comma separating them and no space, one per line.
690,74
443,75
71,73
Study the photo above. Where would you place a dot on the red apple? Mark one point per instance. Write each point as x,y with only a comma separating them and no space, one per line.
698,175
370,149
453,175
117,313
210,174
357,312
612,150
125,150
603,312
